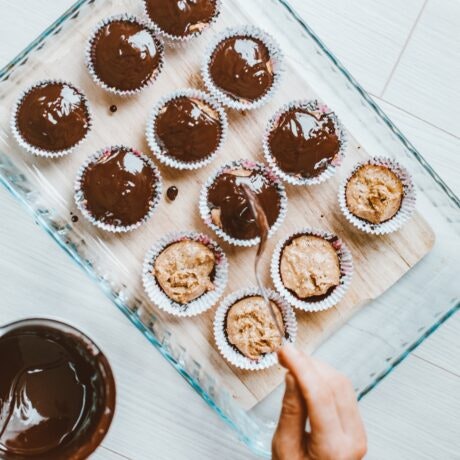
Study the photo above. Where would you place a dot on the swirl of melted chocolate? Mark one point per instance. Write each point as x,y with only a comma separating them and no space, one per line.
57,393
241,67
188,129
125,54
230,207
119,187
53,116
304,142
181,17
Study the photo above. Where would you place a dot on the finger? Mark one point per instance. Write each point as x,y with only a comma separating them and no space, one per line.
319,398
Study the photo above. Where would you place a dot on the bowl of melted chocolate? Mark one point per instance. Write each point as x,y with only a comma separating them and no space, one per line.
51,118
57,392
243,68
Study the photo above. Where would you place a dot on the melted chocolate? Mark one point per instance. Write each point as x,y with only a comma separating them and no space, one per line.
125,54
172,192
227,195
188,129
181,17
304,142
241,67
57,393
53,117
119,187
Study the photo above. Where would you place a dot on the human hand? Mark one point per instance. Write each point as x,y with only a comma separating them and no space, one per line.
324,395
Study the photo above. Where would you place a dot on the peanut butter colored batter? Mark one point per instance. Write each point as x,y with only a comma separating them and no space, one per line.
309,266
183,270
374,193
251,329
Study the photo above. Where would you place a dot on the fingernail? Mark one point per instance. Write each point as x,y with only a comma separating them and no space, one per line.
290,382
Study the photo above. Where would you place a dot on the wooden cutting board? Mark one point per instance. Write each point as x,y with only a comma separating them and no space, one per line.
379,261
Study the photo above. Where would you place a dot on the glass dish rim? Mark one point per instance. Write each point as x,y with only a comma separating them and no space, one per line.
45,224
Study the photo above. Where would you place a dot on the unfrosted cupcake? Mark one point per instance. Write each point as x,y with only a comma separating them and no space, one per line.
224,205
186,129
180,20
304,143
378,196
123,55
51,118
242,67
118,188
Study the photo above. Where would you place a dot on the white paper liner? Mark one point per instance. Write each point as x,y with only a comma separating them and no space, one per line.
205,211
89,62
37,150
310,105
407,204
177,41
162,154
229,352
202,303
80,200
336,295
276,59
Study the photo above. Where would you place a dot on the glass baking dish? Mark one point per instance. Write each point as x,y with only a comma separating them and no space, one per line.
373,341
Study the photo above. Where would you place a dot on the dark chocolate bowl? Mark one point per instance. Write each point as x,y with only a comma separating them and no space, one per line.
57,392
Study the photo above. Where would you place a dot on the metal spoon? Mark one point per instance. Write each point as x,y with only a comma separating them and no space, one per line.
263,227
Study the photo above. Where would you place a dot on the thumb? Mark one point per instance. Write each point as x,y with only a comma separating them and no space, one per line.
290,433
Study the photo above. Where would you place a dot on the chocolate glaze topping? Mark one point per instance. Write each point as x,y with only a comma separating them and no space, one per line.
241,67
181,17
227,197
188,129
125,54
57,393
119,187
304,142
53,117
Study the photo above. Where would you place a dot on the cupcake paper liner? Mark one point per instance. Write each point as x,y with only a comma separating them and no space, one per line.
407,204
202,303
178,41
80,200
89,62
337,294
162,154
37,150
276,58
205,211
311,105
226,348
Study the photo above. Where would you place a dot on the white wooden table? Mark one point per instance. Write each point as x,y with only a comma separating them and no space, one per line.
407,55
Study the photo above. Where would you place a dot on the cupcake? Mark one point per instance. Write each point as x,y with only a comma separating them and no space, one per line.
51,118
123,55
378,196
185,273
186,129
312,269
118,188
179,20
242,67
304,143
245,331
224,205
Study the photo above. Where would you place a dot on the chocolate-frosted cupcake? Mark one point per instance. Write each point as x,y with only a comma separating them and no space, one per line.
378,196
180,20
123,55
186,129
51,118
312,269
185,273
304,142
118,188
245,331
225,208
242,67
